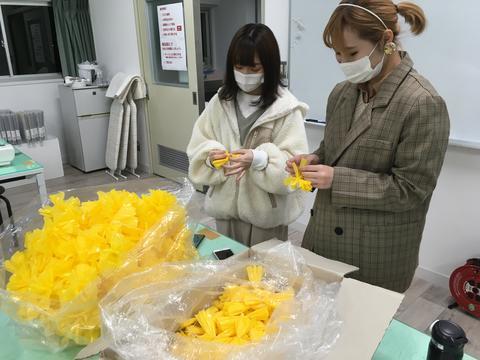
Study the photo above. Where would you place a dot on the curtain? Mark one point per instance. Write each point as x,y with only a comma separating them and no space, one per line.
74,34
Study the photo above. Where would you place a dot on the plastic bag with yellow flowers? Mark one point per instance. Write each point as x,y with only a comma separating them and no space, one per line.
268,307
58,260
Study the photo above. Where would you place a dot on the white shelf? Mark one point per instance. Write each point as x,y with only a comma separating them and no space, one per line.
47,154
315,123
468,144
464,143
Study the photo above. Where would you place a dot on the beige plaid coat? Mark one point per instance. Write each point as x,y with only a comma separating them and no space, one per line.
386,167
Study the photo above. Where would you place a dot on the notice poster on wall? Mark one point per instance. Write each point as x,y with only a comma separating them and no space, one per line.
172,37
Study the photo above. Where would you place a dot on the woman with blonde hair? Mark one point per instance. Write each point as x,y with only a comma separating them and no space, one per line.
385,140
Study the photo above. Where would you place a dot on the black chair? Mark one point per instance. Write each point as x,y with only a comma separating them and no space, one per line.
8,206
10,221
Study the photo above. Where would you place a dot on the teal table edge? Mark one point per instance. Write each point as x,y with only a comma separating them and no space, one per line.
401,342
207,246
20,165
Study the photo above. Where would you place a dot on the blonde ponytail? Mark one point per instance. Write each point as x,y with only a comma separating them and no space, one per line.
414,16
367,25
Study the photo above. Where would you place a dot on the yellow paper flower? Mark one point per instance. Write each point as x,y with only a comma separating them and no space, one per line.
206,321
218,164
297,181
84,249
255,273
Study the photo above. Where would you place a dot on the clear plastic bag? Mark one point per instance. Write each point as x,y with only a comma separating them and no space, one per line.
77,321
142,313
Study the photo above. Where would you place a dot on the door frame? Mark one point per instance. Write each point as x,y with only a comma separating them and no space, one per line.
141,59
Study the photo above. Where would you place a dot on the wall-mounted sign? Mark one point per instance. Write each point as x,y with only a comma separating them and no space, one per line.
172,37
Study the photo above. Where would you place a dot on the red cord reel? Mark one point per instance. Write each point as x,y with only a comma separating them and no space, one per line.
465,286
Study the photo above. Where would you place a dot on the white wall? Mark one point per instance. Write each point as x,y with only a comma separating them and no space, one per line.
452,231
115,36
36,95
116,46
277,17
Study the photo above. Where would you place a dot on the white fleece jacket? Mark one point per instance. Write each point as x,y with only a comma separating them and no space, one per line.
261,198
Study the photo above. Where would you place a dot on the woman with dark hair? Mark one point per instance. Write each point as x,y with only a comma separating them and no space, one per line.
241,141
385,141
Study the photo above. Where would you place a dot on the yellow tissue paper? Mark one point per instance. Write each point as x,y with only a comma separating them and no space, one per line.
255,273
218,164
297,181
84,248
240,314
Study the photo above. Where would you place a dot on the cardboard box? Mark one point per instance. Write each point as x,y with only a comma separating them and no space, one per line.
366,310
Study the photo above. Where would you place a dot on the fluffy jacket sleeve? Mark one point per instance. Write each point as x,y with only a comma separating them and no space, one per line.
290,140
201,143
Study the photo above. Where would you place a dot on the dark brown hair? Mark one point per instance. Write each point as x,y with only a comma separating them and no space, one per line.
251,39
368,26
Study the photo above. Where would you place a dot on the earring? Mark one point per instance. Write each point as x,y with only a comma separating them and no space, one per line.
390,48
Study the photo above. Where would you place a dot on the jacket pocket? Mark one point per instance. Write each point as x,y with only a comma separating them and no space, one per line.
258,137
376,144
273,200
373,155
210,191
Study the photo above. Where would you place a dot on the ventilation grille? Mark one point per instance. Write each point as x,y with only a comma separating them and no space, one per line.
173,159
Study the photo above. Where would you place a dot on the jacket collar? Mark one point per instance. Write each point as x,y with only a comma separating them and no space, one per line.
284,105
393,81
345,109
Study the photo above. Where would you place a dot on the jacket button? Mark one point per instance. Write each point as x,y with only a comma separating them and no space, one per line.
338,230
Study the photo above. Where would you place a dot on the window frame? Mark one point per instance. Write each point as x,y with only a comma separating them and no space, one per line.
207,12
24,77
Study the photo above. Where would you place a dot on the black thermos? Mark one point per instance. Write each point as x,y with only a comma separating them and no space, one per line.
448,340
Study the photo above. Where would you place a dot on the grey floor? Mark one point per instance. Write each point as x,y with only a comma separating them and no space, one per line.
424,302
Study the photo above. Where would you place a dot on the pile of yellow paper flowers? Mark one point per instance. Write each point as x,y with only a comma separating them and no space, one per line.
240,315
85,248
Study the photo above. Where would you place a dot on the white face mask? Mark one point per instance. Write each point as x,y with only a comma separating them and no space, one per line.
248,82
360,71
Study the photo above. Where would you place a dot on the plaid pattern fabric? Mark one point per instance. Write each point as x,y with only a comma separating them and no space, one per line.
386,167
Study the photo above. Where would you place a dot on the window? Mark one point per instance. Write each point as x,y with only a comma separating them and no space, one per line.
4,70
207,50
28,40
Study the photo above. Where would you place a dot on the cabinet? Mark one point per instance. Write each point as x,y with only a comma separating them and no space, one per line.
85,115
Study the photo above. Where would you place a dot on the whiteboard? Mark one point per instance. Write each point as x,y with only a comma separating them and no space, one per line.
447,53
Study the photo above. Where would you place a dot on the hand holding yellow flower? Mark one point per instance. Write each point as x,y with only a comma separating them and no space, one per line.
297,181
218,164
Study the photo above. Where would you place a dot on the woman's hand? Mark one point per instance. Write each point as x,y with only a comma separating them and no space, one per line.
239,163
312,159
216,154
321,176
